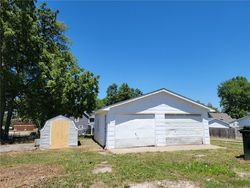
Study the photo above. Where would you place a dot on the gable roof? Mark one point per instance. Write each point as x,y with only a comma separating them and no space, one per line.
221,116
85,114
219,121
107,108
247,116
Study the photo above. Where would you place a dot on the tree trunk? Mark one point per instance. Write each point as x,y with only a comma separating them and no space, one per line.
8,119
2,94
2,110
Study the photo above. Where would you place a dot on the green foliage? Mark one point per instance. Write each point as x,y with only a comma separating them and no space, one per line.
112,94
67,89
211,106
40,74
100,103
235,96
124,92
19,53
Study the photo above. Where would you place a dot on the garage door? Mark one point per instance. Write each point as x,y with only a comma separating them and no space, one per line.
134,130
183,129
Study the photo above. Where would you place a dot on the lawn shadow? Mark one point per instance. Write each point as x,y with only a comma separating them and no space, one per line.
240,157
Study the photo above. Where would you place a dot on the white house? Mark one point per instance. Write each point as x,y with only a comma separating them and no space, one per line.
216,123
160,118
245,121
220,120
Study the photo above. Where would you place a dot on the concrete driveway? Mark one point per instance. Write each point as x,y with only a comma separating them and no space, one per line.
163,149
17,147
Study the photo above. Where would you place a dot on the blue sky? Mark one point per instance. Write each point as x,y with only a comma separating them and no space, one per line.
187,47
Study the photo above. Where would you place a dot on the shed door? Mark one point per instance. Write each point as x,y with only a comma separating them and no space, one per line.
60,134
183,129
134,130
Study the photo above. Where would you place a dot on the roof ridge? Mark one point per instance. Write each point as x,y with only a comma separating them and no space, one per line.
162,89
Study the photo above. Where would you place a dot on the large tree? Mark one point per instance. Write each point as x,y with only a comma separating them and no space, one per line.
67,88
235,96
39,75
19,51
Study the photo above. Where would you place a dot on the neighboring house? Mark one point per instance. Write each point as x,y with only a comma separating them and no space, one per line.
160,118
216,123
23,126
82,124
220,120
221,116
91,123
59,132
244,121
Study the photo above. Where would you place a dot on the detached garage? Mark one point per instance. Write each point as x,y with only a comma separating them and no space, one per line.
59,132
160,118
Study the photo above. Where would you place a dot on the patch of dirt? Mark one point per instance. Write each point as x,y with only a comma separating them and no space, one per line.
102,168
103,152
243,174
27,175
17,147
99,184
104,162
200,155
165,183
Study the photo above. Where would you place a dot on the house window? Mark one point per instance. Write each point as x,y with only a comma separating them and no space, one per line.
91,120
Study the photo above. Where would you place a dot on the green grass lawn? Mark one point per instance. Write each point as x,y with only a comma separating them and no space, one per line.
207,168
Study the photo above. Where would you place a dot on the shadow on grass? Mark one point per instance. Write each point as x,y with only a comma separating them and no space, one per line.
241,157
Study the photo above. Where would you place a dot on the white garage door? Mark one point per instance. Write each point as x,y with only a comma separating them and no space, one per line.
134,130
183,129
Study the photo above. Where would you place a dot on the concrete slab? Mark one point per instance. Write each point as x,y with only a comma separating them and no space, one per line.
164,149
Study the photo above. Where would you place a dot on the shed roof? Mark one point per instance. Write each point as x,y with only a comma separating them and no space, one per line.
107,108
59,117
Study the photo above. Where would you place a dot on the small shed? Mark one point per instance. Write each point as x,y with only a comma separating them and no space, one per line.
59,132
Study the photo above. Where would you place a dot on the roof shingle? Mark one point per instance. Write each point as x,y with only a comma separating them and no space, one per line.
221,116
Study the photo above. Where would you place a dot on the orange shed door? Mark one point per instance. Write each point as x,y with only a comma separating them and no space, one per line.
60,134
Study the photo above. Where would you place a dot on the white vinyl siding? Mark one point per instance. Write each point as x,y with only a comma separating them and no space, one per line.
180,129
99,129
218,124
134,130
244,121
156,120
